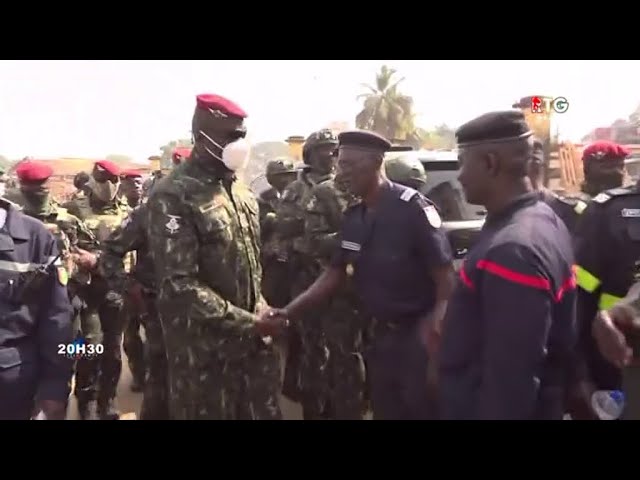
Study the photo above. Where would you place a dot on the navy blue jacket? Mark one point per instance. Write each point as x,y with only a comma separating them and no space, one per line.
510,329
30,335
390,251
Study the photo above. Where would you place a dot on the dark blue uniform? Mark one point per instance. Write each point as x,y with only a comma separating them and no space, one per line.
510,330
608,263
390,253
30,366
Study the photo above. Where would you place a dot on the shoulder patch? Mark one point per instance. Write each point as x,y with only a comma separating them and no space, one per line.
173,225
602,198
630,212
433,216
63,276
408,194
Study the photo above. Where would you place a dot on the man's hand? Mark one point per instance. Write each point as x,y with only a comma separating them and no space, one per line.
84,259
611,341
53,409
271,321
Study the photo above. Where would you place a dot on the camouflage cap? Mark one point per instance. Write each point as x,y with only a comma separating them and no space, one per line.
405,168
280,165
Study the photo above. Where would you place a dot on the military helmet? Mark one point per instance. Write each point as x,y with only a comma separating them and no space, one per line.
280,165
405,169
316,139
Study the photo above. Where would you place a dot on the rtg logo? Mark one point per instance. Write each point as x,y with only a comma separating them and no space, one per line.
548,105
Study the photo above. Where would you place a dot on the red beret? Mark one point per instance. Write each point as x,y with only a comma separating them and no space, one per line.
605,149
33,171
181,152
219,106
109,167
131,173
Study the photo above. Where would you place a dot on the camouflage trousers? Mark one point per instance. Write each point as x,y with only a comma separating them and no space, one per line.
331,374
133,345
86,325
108,309
155,400
212,378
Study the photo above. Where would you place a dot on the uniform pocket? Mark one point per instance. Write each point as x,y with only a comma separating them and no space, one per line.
216,226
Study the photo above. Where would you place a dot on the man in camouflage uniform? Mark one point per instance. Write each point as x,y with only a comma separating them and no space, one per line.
276,284
305,339
406,170
204,236
80,181
131,189
132,236
332,372
70,233
102,212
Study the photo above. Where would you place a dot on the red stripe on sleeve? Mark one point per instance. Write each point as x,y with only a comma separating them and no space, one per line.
465,278
514,277
568,285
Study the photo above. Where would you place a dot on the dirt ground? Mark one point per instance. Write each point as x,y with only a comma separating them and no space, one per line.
129,401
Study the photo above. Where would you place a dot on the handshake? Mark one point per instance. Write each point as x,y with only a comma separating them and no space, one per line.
271,321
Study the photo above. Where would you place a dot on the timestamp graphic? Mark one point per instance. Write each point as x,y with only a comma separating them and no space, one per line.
80,349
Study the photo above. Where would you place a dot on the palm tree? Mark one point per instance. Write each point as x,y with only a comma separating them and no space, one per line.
385,110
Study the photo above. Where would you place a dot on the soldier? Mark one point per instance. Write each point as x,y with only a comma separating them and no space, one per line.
318,157
567,208
102,212
604,168
332,373
131,188
35,321
607,253
132,236
204,236
509,331
180,155
392,246
407,171
70,233
80,181
276,284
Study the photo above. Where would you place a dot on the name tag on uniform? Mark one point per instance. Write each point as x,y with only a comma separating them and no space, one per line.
630,212
354,247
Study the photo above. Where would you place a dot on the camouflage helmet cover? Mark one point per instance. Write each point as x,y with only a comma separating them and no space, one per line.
280,165
405,168
317,139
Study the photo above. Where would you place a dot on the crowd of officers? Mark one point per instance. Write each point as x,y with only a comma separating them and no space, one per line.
335,287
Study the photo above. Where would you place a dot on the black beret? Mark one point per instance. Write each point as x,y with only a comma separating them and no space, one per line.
364,140
494,127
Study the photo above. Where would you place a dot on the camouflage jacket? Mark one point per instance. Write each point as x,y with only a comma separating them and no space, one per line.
324,207
100,218
69,231
291,214
130,236
204,239
268,204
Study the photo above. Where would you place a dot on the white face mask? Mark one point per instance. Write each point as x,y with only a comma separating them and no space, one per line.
234,156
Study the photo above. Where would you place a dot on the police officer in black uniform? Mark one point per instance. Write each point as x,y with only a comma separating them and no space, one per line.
567,208
510,328
400,260
607,258
35,318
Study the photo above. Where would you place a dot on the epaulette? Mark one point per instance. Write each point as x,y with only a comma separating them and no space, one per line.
408,194
578,204
607,195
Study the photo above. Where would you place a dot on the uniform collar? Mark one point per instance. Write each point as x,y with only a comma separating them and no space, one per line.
518,203
15,224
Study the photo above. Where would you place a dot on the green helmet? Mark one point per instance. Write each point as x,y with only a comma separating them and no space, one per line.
321,137
280,165
405,170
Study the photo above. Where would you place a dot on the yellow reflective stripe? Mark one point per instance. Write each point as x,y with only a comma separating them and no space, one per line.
586,280
607,301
